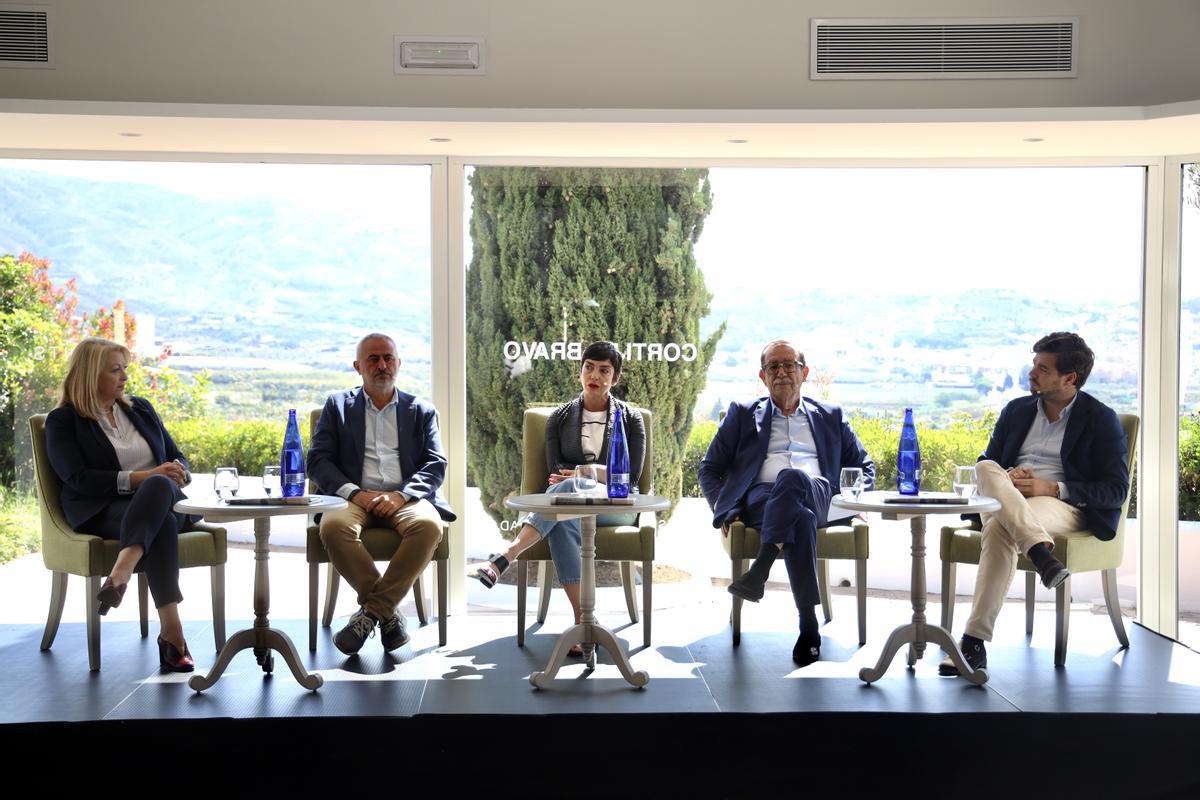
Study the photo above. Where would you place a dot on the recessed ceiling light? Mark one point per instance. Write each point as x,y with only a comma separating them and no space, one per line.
129,134
738,141
1034,139
440,139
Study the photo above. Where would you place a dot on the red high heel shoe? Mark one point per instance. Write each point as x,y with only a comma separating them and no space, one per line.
171,660
110,595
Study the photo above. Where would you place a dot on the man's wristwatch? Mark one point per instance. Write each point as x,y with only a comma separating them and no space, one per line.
350,497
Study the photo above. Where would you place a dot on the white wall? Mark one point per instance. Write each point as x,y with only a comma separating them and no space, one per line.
574,54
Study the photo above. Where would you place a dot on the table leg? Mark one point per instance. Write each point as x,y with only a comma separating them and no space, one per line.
918,588
919,632
260,638
262,585
587,587
588,633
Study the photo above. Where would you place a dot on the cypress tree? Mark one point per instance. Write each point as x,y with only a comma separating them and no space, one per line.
581,254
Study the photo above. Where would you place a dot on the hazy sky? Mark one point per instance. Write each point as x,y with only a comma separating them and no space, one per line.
945,230
930,230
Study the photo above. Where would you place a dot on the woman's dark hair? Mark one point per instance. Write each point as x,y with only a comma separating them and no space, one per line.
604,351
1071,354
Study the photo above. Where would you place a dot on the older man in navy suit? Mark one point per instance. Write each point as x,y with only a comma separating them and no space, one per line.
379,449
1057,463
771,466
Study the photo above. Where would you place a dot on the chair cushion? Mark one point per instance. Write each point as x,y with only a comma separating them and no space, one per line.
1079,550
836,542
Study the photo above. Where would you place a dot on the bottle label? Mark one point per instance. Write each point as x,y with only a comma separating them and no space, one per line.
619,477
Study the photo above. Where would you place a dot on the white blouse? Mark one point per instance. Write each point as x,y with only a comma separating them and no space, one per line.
133,451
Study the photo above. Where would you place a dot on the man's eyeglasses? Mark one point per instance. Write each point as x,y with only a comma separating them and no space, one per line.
785,366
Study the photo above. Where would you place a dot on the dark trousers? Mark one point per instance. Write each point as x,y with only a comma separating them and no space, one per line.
147,518
788,512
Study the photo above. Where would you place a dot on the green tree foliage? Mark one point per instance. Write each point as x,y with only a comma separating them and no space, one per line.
580,255
39,325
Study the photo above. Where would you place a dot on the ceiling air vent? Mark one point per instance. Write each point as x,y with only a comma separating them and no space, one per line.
874,49
24,36
430,55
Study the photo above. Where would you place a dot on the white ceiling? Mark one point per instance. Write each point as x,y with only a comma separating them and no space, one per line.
52,128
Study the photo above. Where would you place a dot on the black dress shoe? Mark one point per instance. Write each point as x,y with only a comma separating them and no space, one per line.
171,660
748,587
807,650
110,595
975,656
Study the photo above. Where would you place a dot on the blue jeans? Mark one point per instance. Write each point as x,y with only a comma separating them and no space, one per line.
564,537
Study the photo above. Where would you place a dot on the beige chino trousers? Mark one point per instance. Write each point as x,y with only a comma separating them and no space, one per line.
420,530
1020,523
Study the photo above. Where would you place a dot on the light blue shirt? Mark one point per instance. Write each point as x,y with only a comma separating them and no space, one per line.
791,446
381,450
1042,449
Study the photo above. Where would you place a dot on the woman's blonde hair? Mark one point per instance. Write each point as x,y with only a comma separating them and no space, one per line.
84,367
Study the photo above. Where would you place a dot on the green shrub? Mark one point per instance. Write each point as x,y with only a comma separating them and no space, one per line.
942,449
20,528
247,444
1189,467
697,445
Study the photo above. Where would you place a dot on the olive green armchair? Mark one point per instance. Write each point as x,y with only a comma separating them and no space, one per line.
381,543
68,552
849,542
1079,550
623,543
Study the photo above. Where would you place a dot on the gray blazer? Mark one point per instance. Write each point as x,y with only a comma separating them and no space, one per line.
564,437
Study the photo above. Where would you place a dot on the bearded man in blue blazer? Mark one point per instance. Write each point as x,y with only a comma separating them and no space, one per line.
771,466
379,448
1057,463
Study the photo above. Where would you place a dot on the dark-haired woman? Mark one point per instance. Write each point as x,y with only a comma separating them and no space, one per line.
578,432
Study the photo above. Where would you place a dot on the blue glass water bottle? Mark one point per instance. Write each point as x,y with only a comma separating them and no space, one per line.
618,458
291,466
908,458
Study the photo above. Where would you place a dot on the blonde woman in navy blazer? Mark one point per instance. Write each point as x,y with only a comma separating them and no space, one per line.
121,475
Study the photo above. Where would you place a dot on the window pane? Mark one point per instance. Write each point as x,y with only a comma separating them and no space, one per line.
243,288
903,287
1189,412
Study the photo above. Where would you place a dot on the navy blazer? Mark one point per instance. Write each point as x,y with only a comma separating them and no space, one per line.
1094,456
335,456
84,459
736,453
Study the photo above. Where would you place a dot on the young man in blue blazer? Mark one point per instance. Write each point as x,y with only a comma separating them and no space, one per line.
379,448
771,466
1057,463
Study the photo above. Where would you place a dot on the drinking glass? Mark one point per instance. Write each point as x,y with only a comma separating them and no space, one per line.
271,479
964,482
587,478
225,479
851,482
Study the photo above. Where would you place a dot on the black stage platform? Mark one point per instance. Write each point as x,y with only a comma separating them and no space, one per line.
714,720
